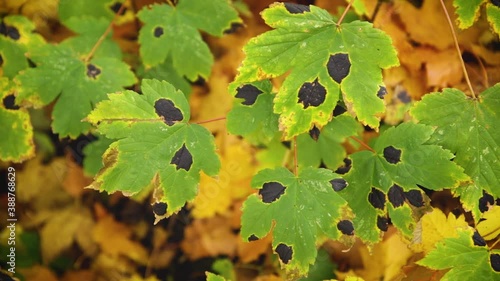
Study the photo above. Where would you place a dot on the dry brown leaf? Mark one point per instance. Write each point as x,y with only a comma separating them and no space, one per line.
114,238
80,275
38,273
75,181
209,237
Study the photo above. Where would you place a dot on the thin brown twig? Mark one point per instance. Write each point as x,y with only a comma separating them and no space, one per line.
455,39
105,34
363,144
486,82
295,157
170,3
345,12
211,120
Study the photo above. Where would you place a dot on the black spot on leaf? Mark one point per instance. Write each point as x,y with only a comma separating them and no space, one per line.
31,63
404,97
1,60
376,198
116,7
293,8
312,94
338,110
160,208
9,102
338,184
485,201
415,198
286,144
345,167
382,223
495,262
9,31
417,3
165,108
338,67
234,28
252,238
92,71
314,133
158,32
382,91
392,154
271,191
478,239
496,2
346,227
182,159
284,252
249,93
396,195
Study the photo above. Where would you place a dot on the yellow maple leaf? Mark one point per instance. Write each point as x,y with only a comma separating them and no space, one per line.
434,227
489,228
216,194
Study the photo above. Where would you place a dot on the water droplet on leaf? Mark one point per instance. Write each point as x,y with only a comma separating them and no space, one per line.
376,198
346,227
338,184
165,108
249,93
284,252
182,159
338,67
392,154
160,208
312,94
396,195
293,8
271,191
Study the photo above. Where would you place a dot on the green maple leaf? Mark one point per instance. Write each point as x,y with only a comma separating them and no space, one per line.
172,32
377,182
463,258
94,8
327,149
467,12
303,214
92,162
63,75
214,277
253,117
324,61
467,127
155,143
16,39
16,143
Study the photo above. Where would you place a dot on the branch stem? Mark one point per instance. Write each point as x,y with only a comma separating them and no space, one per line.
341,19
104,35
363,144
211,120
450,23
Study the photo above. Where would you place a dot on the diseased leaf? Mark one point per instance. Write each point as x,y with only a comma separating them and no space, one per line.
253,117
172,32
170,155
327,148
467,127
493,14
465,260
306,212
419,164
489,225
325,62
61,74
467,12
92,162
